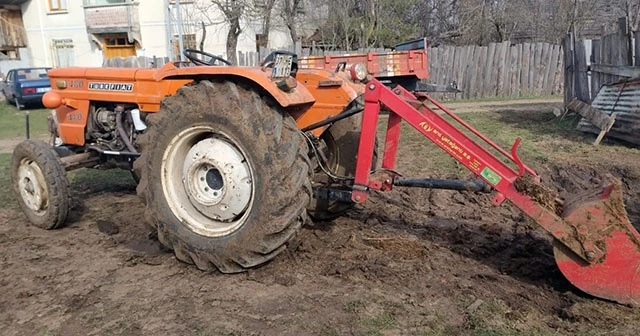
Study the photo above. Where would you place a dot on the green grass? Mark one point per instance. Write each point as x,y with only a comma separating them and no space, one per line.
12,122
7,200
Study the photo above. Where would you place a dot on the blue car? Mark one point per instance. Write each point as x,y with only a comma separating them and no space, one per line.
26,86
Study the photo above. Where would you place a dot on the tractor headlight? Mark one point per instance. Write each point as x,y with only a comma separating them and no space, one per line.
359,72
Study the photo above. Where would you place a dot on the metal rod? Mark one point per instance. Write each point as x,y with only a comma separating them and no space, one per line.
26,120
342,115
427,183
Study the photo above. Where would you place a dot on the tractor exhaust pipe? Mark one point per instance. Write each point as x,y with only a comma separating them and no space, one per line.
477,186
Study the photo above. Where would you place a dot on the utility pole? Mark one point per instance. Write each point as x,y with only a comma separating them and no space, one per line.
168,29
176,6
170,23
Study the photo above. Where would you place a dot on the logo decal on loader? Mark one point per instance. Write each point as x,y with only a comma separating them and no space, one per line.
426,126
110,87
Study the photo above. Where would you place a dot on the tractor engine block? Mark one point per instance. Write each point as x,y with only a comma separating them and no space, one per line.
104,119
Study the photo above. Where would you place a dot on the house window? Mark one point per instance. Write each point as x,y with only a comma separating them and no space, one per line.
63,52
57,5
118,45
9,54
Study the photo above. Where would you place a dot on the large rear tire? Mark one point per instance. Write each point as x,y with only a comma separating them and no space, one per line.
340,145
224,175
40,184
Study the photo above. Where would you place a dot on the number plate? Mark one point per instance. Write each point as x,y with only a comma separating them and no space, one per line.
282,66
40,90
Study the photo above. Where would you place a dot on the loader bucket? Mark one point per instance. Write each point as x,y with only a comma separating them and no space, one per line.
599,216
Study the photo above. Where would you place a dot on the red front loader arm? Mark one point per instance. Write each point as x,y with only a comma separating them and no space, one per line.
596,246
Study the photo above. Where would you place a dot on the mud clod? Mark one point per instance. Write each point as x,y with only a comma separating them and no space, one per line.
107,227
539,193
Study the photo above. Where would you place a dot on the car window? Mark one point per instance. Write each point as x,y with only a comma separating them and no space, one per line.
10,76
31,74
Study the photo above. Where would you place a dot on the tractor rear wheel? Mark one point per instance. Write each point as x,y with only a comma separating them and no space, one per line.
340,147
224,175
40,184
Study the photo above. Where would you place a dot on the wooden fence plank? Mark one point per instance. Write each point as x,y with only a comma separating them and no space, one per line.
466,77
560,68
524,70
606,56
473,70
535,66
542,70
486,89
532,70
595,76
503,68
481,61
569,69
550,61
637,47
432,58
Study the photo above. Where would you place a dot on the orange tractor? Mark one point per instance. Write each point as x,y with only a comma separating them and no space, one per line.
230,161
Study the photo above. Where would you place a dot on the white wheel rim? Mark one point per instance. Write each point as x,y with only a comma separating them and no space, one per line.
207,181
32,186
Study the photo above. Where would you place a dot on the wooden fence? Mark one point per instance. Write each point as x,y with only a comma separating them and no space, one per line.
591,64
499,70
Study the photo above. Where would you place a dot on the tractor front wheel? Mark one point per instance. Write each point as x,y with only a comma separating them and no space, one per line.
224,175
40,184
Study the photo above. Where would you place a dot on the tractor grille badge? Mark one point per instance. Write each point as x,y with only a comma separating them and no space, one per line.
110,87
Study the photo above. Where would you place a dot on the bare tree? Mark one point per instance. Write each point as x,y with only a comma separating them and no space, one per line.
233,11
266,19
290,11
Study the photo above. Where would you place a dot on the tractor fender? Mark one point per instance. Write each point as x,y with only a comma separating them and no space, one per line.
257,77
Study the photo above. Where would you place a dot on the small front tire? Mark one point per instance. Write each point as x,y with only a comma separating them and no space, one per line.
40,184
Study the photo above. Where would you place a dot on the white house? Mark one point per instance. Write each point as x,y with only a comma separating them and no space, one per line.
84,32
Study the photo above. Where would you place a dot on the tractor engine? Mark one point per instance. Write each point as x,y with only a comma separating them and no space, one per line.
114,128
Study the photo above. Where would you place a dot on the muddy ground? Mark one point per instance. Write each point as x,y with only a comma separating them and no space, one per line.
411,262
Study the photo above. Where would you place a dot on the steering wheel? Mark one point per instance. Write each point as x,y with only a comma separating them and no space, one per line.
191,54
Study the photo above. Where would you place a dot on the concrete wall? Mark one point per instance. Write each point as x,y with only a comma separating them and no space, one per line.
23,62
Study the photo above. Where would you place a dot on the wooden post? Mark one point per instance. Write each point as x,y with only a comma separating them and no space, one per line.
637,39
568,69
595,76
598,118
625,42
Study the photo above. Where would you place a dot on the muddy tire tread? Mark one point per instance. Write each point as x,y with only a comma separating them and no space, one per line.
55,178
290,159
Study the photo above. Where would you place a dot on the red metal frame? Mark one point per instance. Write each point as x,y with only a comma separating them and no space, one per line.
462,148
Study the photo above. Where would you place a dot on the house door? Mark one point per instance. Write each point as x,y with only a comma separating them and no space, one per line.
118,46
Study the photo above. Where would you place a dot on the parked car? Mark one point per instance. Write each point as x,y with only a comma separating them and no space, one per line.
25,86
